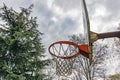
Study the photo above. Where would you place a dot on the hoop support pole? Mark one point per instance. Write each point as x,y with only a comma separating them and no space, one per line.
109,35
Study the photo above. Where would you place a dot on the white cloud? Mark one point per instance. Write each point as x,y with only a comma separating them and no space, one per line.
67,4
102,17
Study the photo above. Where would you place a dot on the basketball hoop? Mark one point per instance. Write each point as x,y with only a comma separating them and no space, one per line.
64,53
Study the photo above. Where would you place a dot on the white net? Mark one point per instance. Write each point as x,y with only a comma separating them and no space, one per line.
64,65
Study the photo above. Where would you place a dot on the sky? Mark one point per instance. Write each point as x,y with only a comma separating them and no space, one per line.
59,19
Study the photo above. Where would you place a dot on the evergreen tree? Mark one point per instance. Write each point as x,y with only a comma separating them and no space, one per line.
20,45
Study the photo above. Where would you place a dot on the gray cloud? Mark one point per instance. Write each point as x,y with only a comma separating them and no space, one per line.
67,4
110,19
58,19
113,6
16,4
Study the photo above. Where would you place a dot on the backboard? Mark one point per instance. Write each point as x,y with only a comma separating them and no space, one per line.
87,33
86,23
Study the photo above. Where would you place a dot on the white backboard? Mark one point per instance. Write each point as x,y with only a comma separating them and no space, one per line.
86,23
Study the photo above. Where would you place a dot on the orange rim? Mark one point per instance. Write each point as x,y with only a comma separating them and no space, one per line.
83,50
64,42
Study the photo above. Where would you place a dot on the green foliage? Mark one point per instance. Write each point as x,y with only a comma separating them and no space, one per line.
20,46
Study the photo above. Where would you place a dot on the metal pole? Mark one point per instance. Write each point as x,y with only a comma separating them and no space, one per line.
96,36
109,35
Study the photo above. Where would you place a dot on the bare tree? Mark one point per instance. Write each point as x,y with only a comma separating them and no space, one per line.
83,67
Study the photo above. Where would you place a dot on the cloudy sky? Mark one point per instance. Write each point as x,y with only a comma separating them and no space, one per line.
59,19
